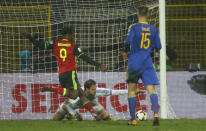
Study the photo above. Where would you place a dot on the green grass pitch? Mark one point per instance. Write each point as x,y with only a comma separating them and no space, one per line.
89,125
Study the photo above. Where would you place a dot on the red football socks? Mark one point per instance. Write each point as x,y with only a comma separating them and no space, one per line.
60,90
89,107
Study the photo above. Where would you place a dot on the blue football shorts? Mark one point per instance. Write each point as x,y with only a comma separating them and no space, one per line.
148,77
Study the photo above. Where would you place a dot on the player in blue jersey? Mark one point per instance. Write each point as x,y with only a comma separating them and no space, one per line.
141,39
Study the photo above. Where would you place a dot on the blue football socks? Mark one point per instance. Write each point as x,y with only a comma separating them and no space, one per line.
132,107
154,100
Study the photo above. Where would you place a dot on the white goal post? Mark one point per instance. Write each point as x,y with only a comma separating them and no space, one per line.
163,84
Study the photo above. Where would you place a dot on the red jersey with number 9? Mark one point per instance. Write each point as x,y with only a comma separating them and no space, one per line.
64,53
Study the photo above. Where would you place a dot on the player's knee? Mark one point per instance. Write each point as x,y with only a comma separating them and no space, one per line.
106,116
132,90
131,94
73,94
151,89
57,117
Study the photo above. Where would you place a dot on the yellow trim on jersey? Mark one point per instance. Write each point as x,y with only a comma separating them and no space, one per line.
80,55
65,45
131,26
45,45
73,80
65,92
136,23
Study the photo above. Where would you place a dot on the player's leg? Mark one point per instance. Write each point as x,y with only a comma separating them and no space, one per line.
53,88
154,100
132,99
70,83
68,86
58,117
104,115
150,79
132,102
65,80
153,96
132,80
71,107
60,113
64,112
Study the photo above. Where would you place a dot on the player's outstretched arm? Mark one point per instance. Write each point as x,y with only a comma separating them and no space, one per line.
108,92
124,55
78,52
35,41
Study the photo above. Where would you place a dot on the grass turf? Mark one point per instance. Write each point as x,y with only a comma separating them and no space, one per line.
88,125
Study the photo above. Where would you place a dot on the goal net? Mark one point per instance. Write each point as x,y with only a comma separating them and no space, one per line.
100,30
186,40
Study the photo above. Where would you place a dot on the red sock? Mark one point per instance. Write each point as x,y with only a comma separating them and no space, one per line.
60,90
89,107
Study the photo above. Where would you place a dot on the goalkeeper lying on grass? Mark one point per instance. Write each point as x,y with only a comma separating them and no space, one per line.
69,108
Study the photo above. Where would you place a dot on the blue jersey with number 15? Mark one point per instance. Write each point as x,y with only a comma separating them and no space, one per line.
141,39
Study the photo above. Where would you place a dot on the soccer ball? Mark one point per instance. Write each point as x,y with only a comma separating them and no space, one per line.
141,115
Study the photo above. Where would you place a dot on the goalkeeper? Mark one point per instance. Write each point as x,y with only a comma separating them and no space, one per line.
69,107
65,51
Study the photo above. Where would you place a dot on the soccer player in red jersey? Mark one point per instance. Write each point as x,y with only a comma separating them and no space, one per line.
66,51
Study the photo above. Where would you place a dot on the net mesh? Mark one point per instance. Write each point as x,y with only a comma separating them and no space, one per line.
185,51
185,32
100,30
